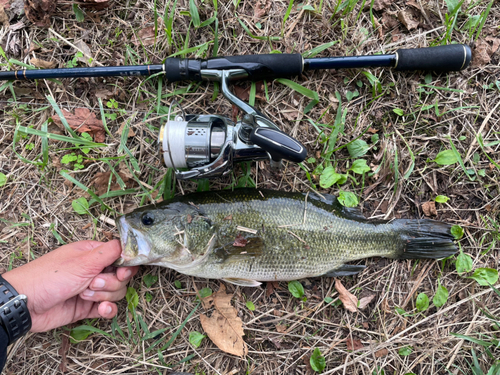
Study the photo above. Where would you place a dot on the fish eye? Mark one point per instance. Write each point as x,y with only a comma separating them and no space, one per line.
147,219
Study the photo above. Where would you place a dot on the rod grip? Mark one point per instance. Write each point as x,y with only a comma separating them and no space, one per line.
258,67
448,58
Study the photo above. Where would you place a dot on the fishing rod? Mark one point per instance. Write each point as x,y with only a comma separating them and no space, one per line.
208,145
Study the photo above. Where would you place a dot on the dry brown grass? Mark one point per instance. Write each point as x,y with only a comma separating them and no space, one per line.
45,198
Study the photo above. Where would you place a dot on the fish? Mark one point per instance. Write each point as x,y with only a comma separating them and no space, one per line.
249,236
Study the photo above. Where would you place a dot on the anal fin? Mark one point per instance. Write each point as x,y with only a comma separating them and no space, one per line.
345,270
242,282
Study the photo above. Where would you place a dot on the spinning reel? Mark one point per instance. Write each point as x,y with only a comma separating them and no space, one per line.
209,145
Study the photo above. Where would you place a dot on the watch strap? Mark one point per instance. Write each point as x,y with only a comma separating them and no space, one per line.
14,314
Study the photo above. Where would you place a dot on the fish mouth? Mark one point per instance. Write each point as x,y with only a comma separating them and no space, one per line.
136,248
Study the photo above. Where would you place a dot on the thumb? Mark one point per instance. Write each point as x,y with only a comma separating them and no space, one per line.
101,257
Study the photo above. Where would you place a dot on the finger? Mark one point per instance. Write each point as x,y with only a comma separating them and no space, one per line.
107,282
102,256
91,295
106,310
126,273
86,245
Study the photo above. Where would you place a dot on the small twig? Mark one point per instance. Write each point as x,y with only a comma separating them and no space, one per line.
244,229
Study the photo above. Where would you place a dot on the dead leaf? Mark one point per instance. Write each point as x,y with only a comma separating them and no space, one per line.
495,44
483,51
381,353
40,11
229,217
87,53
83,121
104,94
363,302
291,115
240,241
281,328
381,4
261,8
144,37
131,132
63,350
4,19
102,182
429,208
224,327
378,26
389,22
16,7
353,343
407,20
189,218
348,299
43,64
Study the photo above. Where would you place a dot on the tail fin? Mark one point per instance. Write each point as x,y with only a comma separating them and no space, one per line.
425,239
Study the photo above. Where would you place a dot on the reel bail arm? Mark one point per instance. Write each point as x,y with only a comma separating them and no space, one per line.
209,145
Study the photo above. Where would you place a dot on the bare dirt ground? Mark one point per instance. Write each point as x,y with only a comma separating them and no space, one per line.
406,119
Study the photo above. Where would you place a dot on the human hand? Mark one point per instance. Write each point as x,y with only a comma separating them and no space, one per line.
68,284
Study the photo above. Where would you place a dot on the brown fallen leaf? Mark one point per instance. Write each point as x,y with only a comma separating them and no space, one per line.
63,350
380,4
348,299
102,183
281,328
83,121
407,20
290,115
429,208
261,8
495,43
363,302
228,217
353,343
483,51
381,353
240,241
224,327
43,64
104,94
145,37
4,19
131,132
40,11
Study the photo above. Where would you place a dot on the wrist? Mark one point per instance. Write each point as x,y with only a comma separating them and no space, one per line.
14,314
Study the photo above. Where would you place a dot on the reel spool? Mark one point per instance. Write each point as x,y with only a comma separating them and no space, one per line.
209,145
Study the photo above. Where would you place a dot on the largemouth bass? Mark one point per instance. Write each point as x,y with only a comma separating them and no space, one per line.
248,235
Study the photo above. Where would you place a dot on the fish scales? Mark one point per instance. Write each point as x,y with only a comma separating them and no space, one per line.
282,236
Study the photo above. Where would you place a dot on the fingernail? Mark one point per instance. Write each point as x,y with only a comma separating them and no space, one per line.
99,283
88,293
127,274
107,310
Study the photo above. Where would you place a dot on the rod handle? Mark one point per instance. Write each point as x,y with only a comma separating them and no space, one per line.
257,67
448,58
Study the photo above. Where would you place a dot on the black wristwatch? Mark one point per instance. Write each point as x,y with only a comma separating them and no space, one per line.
14,314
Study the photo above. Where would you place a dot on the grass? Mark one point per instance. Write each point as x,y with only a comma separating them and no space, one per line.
392,123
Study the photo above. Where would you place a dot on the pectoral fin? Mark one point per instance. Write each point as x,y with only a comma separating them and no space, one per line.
242,282
345,270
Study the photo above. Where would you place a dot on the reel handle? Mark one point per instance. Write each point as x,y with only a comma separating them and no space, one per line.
278,145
